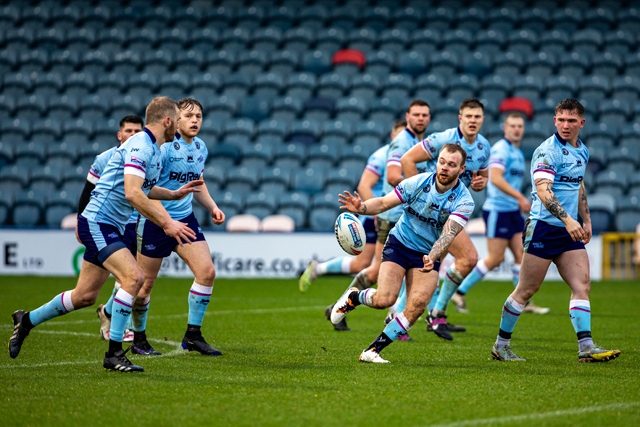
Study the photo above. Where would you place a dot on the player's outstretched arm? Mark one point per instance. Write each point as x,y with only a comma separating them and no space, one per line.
585,214
206,201
411,158
139,200
449,232
353,203
544,188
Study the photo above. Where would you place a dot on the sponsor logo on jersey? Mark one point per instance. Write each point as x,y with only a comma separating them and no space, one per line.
175,159
434,206
190,158
431,221
200,159
149,183
570,179
135,149
112,235
183,177
537,245
138,161
579,162
150,247
516,172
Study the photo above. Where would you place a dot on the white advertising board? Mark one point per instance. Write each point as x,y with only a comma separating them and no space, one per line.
57,253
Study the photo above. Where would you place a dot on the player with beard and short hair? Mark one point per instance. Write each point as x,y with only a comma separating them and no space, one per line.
127,182
436,206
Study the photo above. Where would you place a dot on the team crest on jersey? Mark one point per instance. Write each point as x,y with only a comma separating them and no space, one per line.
565,151
480,146
451,197
427,188
176,145
190,158
579,162
197,145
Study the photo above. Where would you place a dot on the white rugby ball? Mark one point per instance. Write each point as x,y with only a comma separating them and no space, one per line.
350,233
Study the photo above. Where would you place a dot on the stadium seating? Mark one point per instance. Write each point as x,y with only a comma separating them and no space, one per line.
309,75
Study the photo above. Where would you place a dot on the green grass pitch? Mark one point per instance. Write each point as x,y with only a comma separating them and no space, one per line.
284,365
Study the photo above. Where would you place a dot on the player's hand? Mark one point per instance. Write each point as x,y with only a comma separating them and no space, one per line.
525,205
179,231
217,216
352,203
189,187
588,232
575,230
478,182
428,264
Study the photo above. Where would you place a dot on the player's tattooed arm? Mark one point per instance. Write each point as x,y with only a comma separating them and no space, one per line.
449,232
550,201
583,206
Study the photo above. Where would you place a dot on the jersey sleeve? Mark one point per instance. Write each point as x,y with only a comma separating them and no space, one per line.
136,159
434,142
463,209
499,156
374,165
407,188
396,150
95,170
545,163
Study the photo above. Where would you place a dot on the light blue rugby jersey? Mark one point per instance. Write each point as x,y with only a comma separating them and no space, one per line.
509,158
426,210
399,145
181,163
139,156
95,171
478,153
376,164
557,160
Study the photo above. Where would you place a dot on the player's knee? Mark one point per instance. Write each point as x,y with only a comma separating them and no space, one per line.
493,261
466,264
82,300
381,301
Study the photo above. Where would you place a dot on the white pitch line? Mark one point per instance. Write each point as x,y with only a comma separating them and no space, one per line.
209,313
538,416
177,351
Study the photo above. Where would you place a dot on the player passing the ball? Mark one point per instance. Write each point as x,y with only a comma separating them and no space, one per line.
436,207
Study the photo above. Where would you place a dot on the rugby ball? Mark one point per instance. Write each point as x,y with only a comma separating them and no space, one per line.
350,233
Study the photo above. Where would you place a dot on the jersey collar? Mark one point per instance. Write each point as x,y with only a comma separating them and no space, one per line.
178,136
148,132
564,142
411,133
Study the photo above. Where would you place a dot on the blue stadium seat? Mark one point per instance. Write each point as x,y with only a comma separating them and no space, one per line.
397,86
81,39
458,41
542,64
111,85
6,153
426,40
301,85
444,63
235,39
365,86
490,42
611,182
502,18
29,155
97,16
16,84
429,87
40,16
220,62
242,180
173,39
143,38
317,62
205,86
8,60
33,60
595,88
604,132
282,17
59,204
472,18
189,62
536,19
554,42
94,62
304,132
626,87
408,18
496,87
308,180
251,61
530,87
230,203
319,108
561,87
27,208
255,107
13,179
337,133
462,86
223,154
273,127
393,39
345,17
615,112
603,208
574,64
251,17
10,15
31,108
508,63
362,39
523,41
379,64
623,159
411,62
202,39
323,219
268,85
187,18
344,179
284,62
568,18
314,16
606,64
330,40
600,18
298,39
324,200
620,42
323,156
219,17
332,85
351,109
377,18
266,39
586,41
260,204
239,131
275,178
442,18
289,156
215,172
20,38
5,212
257,156
16,131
